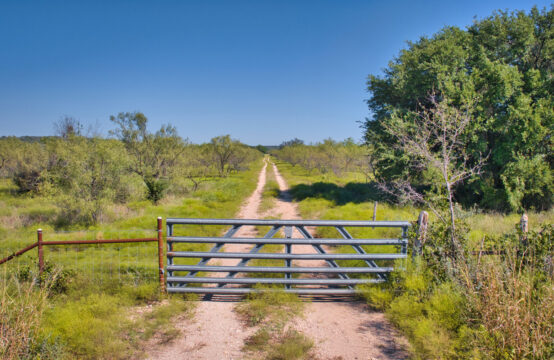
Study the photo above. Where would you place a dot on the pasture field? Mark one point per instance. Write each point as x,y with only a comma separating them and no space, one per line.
351,196
448,310
91,310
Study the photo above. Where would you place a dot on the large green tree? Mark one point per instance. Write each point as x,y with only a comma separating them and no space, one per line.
502,65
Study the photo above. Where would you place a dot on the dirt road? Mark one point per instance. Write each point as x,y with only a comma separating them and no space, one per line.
215,332
340,330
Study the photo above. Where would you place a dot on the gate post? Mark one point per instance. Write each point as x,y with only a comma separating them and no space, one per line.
40,253
422,221
160,255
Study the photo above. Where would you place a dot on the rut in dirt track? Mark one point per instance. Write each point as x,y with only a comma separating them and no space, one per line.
340,330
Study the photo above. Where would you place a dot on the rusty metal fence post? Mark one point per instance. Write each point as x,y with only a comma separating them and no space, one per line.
40,253
160,255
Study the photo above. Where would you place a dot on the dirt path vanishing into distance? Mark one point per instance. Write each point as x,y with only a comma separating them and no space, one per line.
340,329
215,332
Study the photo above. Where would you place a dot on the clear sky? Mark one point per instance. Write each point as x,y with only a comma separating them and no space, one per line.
262,71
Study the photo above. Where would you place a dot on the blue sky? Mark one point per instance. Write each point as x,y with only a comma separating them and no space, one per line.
262,71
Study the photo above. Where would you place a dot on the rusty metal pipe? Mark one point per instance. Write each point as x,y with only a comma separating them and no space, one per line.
103,241
20,252
40,252
160,255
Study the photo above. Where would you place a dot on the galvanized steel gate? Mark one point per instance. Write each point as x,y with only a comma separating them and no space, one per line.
372,266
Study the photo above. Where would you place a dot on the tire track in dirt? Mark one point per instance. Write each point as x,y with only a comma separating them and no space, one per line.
340,330
215,332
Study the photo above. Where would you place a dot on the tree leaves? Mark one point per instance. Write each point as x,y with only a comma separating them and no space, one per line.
502,67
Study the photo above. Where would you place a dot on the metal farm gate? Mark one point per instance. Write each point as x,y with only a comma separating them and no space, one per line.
332,279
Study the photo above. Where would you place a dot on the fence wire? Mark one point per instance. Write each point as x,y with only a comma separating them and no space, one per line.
102,264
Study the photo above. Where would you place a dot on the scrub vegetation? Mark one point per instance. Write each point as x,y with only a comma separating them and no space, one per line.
99,302
461,127
488,306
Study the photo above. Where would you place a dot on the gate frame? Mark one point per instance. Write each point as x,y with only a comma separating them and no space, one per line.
174,284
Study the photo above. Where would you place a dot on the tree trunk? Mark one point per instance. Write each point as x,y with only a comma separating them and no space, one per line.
459,254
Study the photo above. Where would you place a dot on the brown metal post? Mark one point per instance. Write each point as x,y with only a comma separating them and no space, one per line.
40,252
160,255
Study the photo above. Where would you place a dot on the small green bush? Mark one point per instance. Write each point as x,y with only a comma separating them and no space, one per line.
430,313
291,345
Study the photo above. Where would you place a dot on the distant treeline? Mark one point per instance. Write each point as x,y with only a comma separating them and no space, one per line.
329,155
86,174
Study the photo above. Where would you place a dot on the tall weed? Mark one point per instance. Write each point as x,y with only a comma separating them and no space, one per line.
22,305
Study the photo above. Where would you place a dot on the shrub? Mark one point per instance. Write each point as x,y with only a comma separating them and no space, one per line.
155,189
495,307
513,296
291,345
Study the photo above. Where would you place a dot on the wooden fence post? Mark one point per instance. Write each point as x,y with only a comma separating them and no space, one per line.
160,256
422,222
374,210
524,226
40,253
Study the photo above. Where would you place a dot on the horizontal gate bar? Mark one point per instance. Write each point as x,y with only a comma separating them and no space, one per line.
280,269
221,255
215,290
185,239
346,223
214,280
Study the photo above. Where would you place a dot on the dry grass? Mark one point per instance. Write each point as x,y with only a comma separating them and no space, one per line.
515,308
22,305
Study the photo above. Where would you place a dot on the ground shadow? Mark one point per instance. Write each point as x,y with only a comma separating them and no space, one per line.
353,192
306,298
390,347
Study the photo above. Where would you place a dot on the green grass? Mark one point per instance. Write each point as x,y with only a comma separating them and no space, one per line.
91,316
433,315
269,195
351,198
291,345
105,326
275,307
270,192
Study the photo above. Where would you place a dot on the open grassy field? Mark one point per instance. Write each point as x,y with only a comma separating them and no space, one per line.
90,311
460,313
351,197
